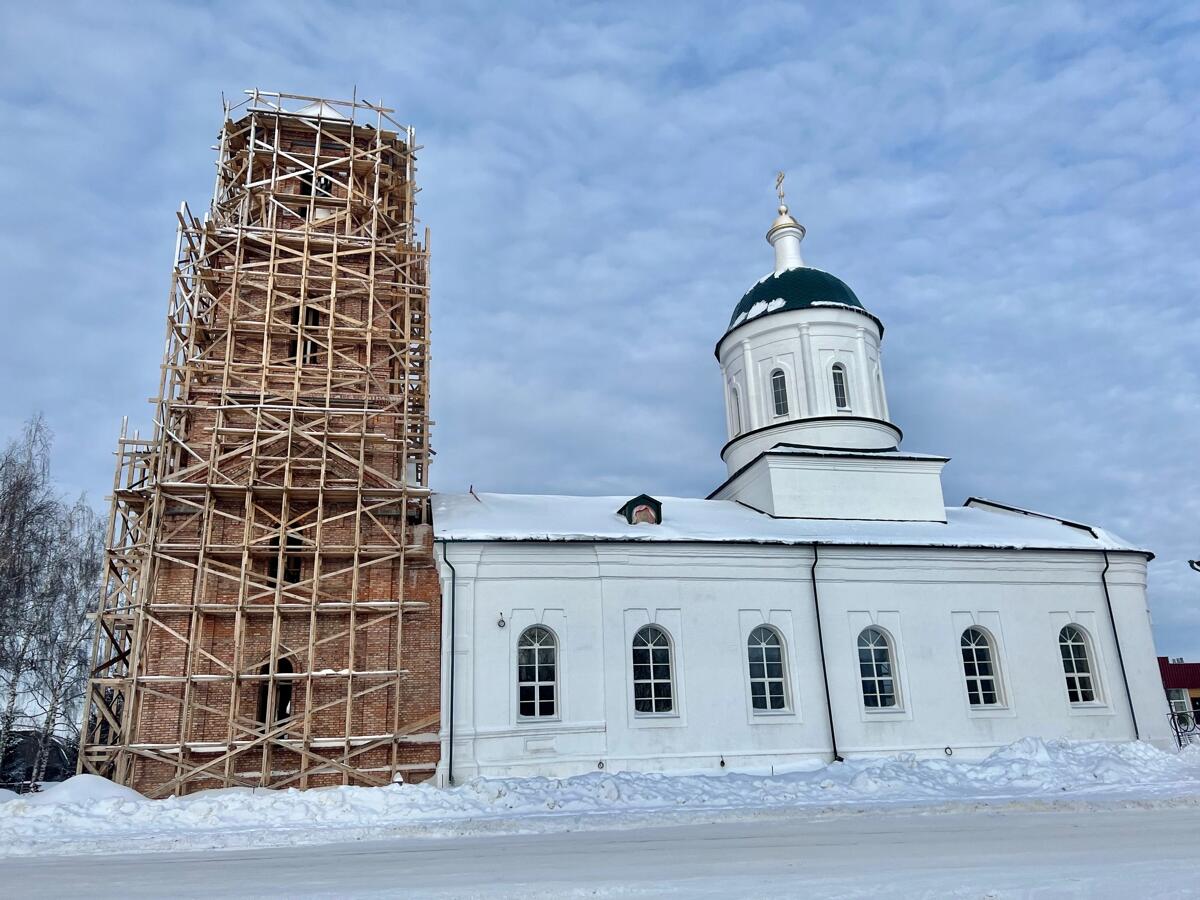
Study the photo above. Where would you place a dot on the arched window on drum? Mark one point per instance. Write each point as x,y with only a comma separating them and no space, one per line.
779,396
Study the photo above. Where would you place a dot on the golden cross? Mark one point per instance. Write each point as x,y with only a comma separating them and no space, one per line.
779,185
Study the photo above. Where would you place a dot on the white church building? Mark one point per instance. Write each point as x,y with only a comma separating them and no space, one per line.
821,603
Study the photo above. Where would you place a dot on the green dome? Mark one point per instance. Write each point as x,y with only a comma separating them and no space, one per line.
796,288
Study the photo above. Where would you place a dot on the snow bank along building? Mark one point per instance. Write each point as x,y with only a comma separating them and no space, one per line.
821,602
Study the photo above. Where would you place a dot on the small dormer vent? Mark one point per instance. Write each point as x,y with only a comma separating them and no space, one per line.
642,510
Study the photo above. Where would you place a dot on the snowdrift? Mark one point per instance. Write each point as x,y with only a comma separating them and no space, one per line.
89,814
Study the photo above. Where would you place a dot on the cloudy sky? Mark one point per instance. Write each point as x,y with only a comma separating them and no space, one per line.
1012,188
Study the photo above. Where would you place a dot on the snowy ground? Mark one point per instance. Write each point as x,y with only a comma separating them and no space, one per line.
1123,853
1089,818
90,815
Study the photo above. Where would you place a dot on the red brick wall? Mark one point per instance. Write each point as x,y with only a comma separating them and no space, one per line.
213,549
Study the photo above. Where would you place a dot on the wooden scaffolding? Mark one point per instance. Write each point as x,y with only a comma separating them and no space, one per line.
270,613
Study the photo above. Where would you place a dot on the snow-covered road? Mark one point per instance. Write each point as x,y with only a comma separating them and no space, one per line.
1111,853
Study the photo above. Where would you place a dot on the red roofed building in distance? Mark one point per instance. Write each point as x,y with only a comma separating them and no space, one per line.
1182,683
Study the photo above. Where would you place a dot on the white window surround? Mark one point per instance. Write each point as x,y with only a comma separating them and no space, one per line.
779,621
1090,624
987,621
887,621
670,620
519,619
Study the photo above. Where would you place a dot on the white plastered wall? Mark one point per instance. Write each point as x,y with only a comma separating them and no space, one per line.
596,595
804,344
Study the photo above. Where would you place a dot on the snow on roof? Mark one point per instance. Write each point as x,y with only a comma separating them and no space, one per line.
540,517
322,110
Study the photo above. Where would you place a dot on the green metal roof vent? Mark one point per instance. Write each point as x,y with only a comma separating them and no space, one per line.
642,510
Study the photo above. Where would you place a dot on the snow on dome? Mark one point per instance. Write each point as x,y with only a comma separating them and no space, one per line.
757,309
798,287
833,303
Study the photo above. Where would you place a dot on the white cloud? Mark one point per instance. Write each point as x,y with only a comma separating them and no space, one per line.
1010,187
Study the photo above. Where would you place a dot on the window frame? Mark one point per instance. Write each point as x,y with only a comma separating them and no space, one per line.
293,344
735,403
292,569
537,684
1071,676
670,680
973,683
285,694
766,679
309,346
1179,696
838,371
779,392
893,676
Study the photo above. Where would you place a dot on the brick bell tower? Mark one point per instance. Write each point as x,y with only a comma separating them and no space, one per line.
271,612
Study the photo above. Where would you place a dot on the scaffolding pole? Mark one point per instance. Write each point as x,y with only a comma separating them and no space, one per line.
269,614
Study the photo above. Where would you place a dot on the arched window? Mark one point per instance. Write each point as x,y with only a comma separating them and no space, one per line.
283,693
779,392
875,669
735,410
653,681
841,395
979,668
537,673
1077,664
767,682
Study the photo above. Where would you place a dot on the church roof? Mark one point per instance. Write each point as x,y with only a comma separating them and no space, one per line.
795,288
539,517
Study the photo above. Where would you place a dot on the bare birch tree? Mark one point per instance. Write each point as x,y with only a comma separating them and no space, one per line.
60,670
28,509
51,554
